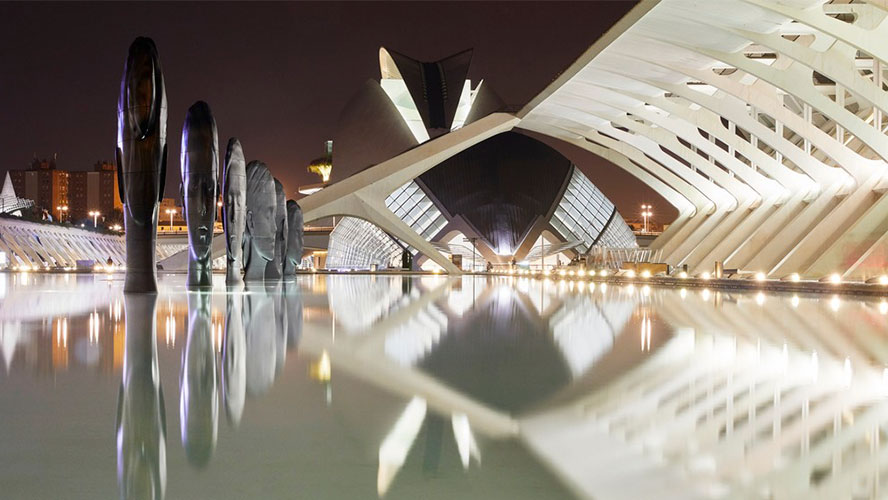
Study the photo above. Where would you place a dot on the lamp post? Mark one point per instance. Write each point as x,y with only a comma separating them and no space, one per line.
645,213
95,215
62,209
171,212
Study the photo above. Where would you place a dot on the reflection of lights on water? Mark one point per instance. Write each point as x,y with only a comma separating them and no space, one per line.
835,303
322,369
62,332
93,332
705,294
683,293
815,367
794,301
847,373
645,333
760,298
465,441
645,290
883,307
396,445
170,329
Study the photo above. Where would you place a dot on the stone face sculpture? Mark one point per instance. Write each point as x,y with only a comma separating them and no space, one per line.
295,238
234,192
260,229
275,268
200,162
141,419
141,160
198,396
234,364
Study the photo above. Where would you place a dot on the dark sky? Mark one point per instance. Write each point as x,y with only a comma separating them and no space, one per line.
276,75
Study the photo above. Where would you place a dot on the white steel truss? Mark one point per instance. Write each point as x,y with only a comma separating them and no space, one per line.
761,121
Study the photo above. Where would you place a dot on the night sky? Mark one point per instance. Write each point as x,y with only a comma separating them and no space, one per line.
276,75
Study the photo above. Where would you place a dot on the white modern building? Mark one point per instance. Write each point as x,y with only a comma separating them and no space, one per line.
761,121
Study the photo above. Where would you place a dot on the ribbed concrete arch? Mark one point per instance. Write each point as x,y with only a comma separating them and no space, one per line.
803,199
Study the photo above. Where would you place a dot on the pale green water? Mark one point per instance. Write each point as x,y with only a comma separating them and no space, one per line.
432,387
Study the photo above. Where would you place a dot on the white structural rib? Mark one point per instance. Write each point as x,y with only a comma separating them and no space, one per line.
761,121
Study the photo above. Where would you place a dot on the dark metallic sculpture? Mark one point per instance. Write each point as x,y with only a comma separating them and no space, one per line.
141,159
275,268
260,232
295,238
141,419
234,362
198,396
234,190
200,161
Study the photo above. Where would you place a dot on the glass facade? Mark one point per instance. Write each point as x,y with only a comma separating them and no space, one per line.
358,244
584,213
417,210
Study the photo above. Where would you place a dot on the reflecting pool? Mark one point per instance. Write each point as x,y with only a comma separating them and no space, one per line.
360,386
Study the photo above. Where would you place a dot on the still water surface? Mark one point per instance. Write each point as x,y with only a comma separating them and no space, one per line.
436,387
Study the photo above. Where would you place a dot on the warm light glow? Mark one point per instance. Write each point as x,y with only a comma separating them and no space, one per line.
645,274
683,275
581,273
604,273
835,278
794,301
705,276
835,303
794,277
760,298
883,307
760,276
630,273
562,272
883,280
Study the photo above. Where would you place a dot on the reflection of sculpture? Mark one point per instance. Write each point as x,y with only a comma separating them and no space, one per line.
260,230
294,238
200,160
275,289
274,269
141,159
293,300
234,374
198,397
261,339
234,189
141,417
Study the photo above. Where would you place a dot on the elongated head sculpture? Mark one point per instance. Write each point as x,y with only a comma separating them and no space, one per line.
260,230
200,164
275,268
234,209
295,235
141,159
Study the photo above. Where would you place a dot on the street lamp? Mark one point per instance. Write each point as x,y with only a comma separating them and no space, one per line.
62,209
95,215
171,212
645,213
116,227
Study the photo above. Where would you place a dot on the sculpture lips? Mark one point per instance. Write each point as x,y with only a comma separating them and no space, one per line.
140,85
